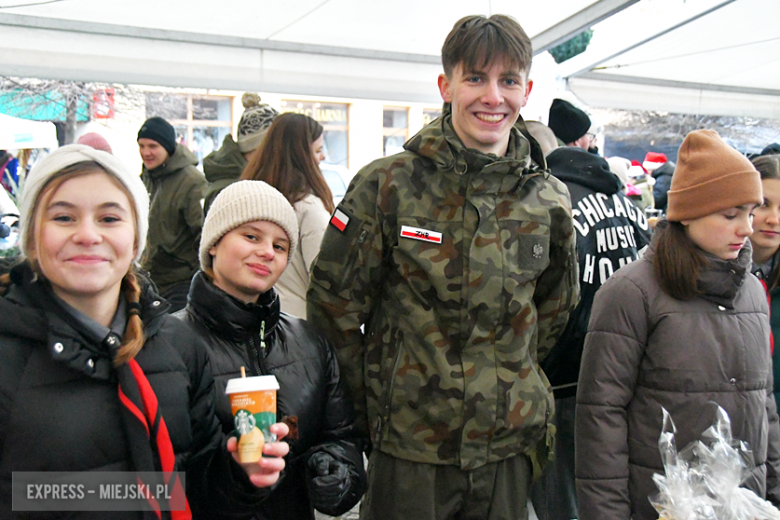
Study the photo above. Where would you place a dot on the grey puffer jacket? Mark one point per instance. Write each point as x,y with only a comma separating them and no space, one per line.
646,350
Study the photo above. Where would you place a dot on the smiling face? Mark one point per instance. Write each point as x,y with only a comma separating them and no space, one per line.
85,238
152,153
485,104
766,223
249,259
724,233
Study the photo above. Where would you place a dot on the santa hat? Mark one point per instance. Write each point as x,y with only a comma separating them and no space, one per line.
635,170
653,160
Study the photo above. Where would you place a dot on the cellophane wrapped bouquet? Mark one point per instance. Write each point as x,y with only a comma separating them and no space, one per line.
701,482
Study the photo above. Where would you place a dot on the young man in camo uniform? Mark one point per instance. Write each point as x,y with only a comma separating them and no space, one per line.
457,259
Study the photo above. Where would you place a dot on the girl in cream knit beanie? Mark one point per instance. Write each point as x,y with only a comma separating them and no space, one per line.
53,164
242,202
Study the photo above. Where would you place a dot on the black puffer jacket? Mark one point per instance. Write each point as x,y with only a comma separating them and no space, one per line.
310,388
60,408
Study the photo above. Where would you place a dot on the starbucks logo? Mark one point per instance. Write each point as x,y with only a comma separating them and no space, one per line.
244,421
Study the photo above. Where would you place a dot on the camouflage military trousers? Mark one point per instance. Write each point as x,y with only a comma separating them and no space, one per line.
403,490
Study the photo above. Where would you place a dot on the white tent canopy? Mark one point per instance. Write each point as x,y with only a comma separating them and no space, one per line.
700,56
18,134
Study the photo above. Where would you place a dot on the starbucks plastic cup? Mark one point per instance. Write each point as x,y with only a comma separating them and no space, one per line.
253,401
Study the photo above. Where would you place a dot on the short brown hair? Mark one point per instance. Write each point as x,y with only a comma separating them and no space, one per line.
476,41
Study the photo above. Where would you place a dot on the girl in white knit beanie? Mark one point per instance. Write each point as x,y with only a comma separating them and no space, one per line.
95,373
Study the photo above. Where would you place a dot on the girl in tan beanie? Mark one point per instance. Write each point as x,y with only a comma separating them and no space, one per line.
685,328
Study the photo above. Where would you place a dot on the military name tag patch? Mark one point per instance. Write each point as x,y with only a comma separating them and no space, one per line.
421,234
340,220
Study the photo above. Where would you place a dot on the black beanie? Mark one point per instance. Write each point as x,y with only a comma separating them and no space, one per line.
568,122
160,130
771,149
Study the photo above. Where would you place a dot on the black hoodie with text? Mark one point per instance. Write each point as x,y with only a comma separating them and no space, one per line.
611,232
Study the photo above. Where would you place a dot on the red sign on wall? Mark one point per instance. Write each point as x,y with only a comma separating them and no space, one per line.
103,103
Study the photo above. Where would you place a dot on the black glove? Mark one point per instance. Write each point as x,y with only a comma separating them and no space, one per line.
329,482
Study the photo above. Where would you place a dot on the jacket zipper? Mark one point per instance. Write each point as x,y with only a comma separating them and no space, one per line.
258,356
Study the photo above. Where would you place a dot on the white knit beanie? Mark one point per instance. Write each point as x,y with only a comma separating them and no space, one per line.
242,202
49,168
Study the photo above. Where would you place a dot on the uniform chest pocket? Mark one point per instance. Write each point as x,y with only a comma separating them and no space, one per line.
526,247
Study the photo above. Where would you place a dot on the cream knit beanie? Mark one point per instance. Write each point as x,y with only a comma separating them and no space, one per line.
50,166
710,176
242,202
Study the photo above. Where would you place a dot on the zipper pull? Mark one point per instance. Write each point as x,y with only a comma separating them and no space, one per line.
262,335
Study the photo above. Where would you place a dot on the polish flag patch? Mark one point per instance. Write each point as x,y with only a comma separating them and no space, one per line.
340,220
421,234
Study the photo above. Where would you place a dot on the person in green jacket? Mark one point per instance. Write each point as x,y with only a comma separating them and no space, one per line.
766,250
176,189
224,166
446,273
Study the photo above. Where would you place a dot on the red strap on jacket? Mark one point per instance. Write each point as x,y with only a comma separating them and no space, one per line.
769,301
158,433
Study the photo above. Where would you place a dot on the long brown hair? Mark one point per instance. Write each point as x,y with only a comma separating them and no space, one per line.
134,331
286,162
677,261
769,168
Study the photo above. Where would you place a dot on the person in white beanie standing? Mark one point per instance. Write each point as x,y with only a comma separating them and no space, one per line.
96,376
249,236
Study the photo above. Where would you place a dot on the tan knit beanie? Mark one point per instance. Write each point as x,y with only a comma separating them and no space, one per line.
710,176
242,202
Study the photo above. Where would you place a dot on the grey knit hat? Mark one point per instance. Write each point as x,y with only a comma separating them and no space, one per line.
254,122
242,202
49,168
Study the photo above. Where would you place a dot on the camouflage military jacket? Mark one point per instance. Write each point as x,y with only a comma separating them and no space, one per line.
461,268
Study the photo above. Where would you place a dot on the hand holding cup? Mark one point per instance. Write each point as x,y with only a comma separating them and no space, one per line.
265,472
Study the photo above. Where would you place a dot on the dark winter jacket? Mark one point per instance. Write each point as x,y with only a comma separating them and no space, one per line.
222,168
60,408
311,393
774,317
611,232
646,350
176,189
663,181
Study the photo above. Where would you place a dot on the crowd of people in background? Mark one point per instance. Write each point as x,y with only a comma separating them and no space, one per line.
495,316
